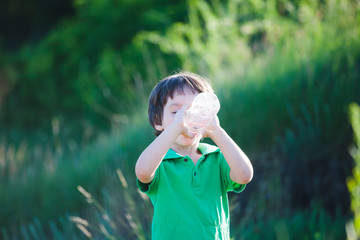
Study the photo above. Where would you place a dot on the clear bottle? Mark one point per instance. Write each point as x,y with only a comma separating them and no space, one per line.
204,107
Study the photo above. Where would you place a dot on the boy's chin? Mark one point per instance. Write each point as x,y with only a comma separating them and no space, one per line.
191,135
184,141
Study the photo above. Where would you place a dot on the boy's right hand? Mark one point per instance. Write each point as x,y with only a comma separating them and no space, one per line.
180,120
180,116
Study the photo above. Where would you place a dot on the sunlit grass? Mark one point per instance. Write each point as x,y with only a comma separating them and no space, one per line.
127,218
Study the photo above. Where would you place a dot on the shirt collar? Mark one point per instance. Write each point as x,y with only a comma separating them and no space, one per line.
204,148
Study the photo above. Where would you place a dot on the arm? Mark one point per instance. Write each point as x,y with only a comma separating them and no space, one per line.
151,157
241,170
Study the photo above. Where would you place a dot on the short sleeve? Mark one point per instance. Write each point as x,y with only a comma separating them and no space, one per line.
230,185
148,187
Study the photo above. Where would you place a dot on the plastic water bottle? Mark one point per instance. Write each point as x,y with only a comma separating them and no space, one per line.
204,107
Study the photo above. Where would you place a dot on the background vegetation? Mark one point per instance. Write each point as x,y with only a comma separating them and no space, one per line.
73,112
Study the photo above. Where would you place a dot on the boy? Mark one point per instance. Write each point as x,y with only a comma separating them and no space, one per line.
188,181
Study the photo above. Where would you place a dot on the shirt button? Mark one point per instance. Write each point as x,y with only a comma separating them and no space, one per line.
185,159
194,173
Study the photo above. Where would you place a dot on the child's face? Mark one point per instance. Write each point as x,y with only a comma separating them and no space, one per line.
172,106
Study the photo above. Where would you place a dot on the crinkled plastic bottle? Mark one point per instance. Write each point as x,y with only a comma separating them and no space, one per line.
204,107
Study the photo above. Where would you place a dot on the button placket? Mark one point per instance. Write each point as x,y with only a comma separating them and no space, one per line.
196,168
196,177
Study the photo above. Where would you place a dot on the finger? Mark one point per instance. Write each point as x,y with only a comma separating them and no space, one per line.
189,134
186,106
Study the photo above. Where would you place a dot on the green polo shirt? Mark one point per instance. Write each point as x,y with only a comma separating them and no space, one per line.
190,201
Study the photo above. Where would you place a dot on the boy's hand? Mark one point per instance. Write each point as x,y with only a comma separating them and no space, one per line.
213,125
181,114
180,120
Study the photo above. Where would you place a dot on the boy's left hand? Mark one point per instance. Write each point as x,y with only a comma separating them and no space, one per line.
211,127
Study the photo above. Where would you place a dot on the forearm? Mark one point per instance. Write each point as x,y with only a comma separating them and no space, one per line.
241,170
152,156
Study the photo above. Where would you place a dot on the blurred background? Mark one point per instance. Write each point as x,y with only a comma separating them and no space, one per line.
75,76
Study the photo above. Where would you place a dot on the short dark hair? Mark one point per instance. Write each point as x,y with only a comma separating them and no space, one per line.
178,82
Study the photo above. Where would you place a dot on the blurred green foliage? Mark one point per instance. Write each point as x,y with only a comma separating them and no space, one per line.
86,72
285,73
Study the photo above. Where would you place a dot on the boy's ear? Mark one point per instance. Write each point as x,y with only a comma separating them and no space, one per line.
159,128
